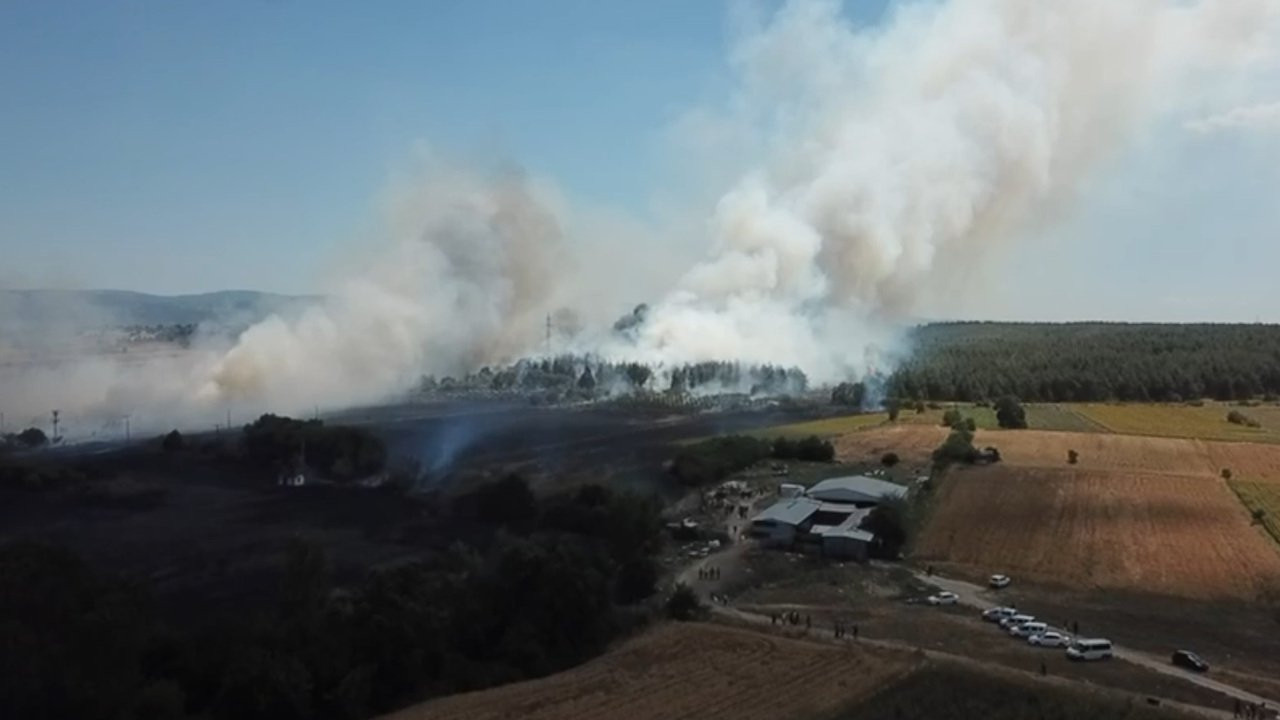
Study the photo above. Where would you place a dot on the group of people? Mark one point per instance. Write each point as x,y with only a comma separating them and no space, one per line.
709,573
790,618
1252,711
843,630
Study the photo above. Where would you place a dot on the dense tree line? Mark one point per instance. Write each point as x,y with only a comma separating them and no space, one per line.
578,377
548,584
1089,362
285,445
714,459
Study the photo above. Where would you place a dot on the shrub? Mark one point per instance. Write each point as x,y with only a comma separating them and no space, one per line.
958,447
32,437
711,461
1010,413
889,459
683,605
951,418
1072,457
1226,473
1235,417
173,442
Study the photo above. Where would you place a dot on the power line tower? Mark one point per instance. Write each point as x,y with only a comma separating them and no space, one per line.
548,335
55,425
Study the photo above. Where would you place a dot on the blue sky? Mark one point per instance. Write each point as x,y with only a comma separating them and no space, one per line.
192,145
234,143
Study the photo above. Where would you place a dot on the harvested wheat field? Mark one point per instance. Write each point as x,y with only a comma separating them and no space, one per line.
689,670
913,443
1179,535
1207,422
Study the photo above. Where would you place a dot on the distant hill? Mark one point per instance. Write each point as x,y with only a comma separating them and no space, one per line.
85,310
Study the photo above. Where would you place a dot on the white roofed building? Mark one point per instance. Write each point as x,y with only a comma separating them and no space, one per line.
827,517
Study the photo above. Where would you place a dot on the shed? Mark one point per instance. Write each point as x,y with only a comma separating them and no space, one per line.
859,490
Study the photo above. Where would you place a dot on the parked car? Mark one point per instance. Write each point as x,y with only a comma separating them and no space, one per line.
996,614
1018,619
944,598
1049,638
1189,660
998,581
1027,629
1090,649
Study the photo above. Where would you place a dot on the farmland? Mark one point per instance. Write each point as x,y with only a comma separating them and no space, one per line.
1207,422
1060,417
691,670
1261,496
1184,536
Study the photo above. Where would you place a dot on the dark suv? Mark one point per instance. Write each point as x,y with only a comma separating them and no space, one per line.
1189,660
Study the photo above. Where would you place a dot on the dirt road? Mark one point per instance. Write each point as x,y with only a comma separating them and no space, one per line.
980,597
816,632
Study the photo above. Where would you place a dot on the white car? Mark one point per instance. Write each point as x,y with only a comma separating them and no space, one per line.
996,614
1027,629
1049,638
943,598
998,581
1015,620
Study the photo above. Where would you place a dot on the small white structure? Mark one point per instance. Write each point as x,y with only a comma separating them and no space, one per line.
295,480
790,490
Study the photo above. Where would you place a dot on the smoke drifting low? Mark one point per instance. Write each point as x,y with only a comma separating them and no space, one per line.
887,165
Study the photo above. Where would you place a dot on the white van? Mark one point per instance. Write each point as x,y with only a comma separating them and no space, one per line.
1027,629
1090,649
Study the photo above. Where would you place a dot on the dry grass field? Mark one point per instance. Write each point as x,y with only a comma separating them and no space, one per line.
689,670
1264,496
913,443
827,427
1208,422
1082,528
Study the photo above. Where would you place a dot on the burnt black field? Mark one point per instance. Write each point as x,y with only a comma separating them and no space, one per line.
205,535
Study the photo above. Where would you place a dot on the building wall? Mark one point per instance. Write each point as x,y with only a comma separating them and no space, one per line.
844,548
774,534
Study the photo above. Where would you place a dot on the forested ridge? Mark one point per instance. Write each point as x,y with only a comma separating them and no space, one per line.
1048,362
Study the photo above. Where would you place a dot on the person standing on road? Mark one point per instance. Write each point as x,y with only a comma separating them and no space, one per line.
855,631
1236,712
1044,669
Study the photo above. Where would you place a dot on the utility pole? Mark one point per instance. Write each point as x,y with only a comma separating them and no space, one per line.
228,419
55,425
126,428
548,335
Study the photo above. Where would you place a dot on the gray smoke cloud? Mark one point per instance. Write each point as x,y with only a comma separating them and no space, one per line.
902,156
885,165
466,276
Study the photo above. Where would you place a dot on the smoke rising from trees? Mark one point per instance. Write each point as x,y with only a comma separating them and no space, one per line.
887,165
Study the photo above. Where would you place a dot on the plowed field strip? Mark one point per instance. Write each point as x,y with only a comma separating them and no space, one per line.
687,671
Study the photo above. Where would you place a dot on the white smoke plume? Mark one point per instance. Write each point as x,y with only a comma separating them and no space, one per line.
464,279
882,166
901,156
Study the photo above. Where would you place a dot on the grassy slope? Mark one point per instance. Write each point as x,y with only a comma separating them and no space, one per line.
964,694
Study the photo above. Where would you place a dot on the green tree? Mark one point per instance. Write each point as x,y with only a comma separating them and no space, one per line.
850,394
887,523
1010,413
1072,457
951,417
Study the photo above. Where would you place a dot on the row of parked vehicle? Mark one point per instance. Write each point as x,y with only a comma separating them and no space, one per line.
1035,632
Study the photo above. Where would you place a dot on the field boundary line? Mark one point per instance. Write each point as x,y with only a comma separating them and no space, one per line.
1268,523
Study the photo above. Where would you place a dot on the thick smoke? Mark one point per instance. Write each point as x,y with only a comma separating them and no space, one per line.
881,167
465,279
902,156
